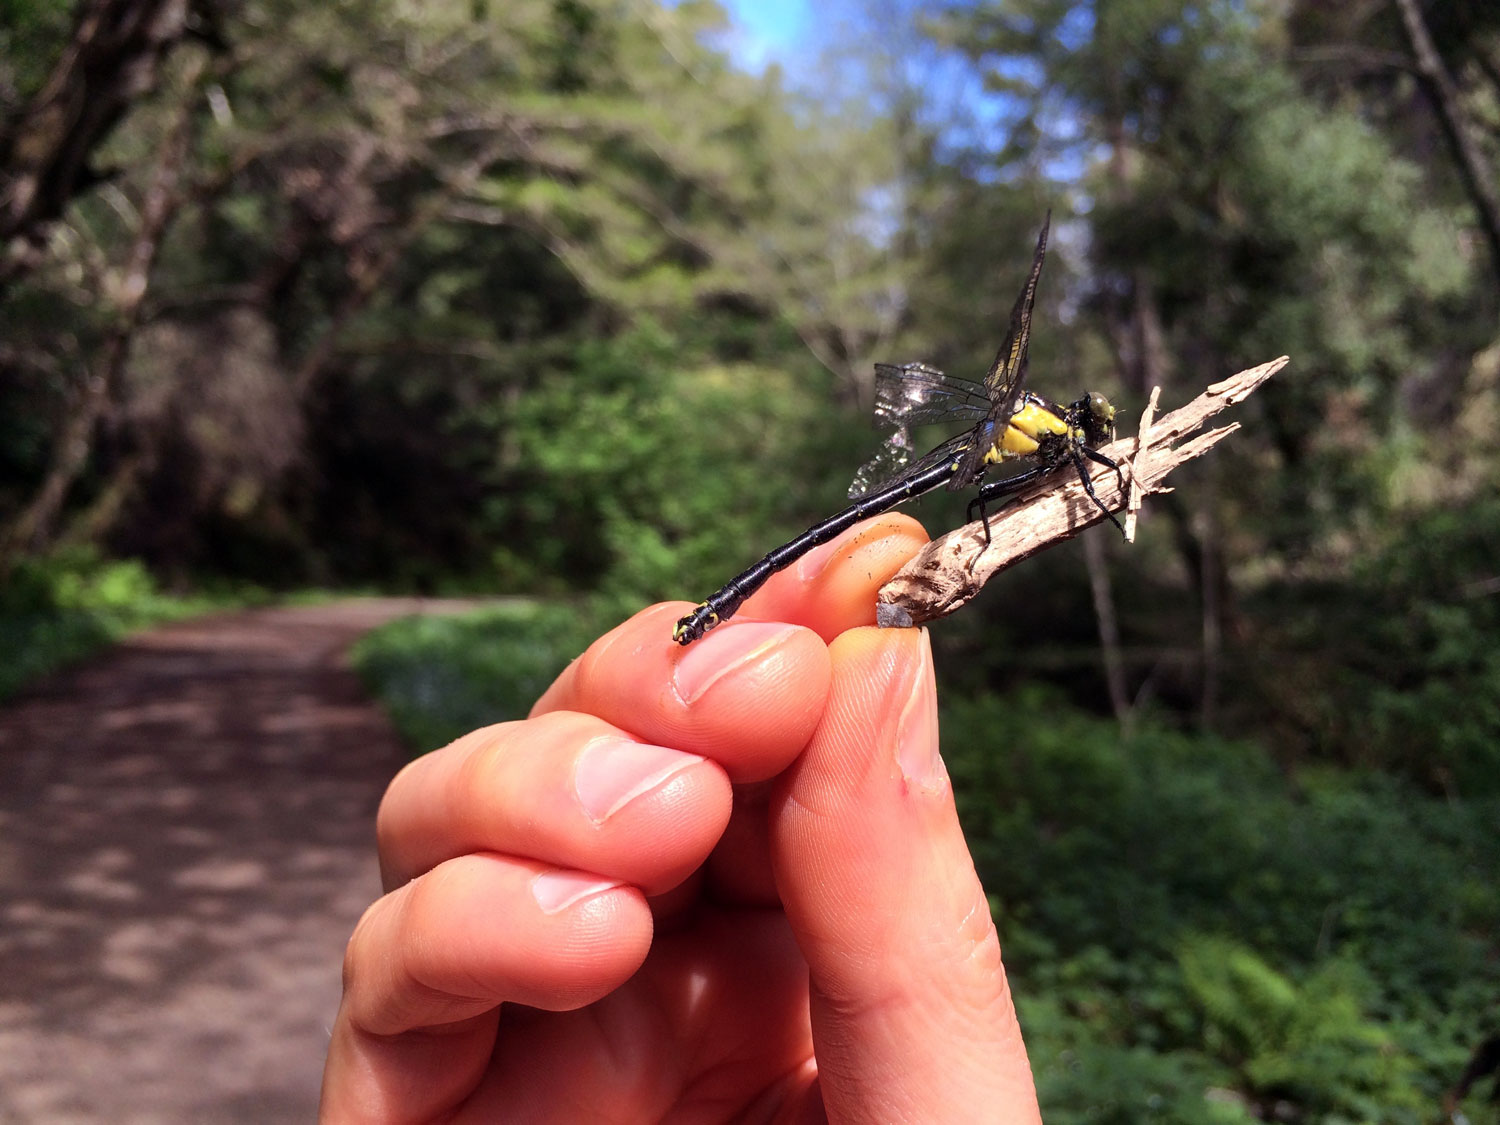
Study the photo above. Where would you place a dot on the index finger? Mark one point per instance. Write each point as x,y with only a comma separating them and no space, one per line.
833,587
748,695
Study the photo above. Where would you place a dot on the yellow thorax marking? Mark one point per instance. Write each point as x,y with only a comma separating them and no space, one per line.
1024,434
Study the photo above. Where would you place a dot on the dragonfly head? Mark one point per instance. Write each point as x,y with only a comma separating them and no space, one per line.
1096,417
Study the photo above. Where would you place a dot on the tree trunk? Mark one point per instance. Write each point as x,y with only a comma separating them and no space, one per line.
1471,163
33,528
1109,627
111,60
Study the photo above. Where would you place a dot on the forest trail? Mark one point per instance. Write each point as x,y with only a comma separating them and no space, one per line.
186,843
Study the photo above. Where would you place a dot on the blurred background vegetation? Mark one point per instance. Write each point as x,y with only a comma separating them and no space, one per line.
561,300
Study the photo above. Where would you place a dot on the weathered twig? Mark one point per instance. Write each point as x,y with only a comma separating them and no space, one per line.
950,570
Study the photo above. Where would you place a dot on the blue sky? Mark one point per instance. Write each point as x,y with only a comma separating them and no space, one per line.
794,33
768,30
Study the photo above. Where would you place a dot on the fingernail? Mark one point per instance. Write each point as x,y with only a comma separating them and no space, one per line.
722,651
555,891
612,772
816,561
917,728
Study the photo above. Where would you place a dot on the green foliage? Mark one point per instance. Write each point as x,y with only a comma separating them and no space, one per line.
1082,1078
416,235
31,34
1397,665
1195,920
1309,1042
662,470
440,677
57,610
527,295
1193,936
1241,217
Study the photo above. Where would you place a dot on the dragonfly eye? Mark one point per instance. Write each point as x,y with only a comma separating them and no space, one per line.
1103,414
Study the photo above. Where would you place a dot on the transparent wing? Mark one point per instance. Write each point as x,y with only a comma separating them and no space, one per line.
910,395
1007,374
915,394
894,456
874,477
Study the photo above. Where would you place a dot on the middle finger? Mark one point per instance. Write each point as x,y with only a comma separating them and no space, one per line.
564,788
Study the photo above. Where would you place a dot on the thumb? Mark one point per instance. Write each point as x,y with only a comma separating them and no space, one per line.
911,1014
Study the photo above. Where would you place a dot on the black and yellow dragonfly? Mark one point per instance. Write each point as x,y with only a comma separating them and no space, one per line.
1009,423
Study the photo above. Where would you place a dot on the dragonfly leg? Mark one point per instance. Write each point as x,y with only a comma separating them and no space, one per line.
1099,459
1088,482
985,516
992,490
1004,488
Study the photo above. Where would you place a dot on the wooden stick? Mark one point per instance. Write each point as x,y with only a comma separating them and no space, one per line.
950,571
1142,448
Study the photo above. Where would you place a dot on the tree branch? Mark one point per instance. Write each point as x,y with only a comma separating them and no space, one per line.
110,62
32,529
1472,165
951,570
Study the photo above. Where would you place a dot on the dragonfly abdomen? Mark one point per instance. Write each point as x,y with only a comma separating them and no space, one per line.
727,599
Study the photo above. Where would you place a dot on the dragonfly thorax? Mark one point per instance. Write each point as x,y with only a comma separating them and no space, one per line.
1048,433
1036,426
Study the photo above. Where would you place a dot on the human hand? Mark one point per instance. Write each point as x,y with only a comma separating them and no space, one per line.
725,882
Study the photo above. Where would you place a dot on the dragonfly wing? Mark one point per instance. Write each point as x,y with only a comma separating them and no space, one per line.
908,396
951,450
1007,374
915,394
894,456
971,463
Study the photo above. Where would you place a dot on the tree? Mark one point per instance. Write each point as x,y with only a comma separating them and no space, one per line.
1232,216
480,187
1420,72
111,60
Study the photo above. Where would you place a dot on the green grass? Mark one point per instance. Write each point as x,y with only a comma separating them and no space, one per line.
440,677
58,610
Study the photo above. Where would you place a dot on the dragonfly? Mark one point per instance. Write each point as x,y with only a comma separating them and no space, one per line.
1005,423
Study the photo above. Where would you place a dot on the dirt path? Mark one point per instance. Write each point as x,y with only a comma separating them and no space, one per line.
186,830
